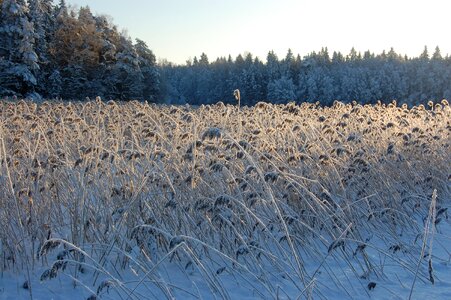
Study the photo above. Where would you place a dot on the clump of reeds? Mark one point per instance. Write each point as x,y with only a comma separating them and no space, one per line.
106,188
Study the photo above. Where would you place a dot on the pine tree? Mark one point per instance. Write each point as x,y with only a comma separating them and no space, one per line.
18,60
61,9
64,37
286,64
250,81
437,54
337,58
127,76
42,18
425,54
202,81
353,56
392,55
272,66
147,64
203,59
323,57
103,77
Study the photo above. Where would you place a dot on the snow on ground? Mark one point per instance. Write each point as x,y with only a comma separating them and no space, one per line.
186,281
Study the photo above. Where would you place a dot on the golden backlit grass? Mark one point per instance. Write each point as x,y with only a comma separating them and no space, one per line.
289,185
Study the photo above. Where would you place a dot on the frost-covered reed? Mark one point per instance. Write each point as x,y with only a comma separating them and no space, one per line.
267,199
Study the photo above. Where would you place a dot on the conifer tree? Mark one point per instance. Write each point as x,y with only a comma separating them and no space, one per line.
41,16
147,65
437,54
18,59
127,75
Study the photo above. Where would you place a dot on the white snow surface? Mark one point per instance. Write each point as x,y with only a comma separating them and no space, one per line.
185,280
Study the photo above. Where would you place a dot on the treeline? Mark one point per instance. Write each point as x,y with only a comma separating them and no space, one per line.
52,51
316,77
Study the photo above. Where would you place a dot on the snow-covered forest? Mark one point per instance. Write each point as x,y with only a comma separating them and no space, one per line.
319,76
56,51
53,51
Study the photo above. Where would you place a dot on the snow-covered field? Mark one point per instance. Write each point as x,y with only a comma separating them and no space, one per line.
136,201
395,282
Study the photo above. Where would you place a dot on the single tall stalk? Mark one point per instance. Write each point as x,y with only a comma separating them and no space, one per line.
237,95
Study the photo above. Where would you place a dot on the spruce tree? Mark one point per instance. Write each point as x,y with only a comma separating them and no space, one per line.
42,18
437,54
18,59
272,66
127,75
147,64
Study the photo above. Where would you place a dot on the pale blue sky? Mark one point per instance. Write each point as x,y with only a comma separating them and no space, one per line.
181,29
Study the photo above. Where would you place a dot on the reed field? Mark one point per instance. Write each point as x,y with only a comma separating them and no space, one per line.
130,200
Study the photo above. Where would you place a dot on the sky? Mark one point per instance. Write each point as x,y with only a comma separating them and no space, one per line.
178,30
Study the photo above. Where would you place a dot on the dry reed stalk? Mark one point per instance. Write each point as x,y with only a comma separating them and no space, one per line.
286,179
